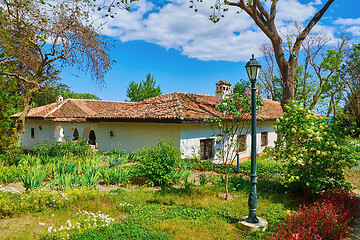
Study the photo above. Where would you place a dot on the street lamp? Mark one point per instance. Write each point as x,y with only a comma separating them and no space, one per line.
253,69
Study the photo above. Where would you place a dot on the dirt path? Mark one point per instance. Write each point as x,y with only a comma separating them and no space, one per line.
355,227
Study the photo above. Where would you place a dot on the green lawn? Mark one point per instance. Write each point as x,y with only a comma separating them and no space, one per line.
198,213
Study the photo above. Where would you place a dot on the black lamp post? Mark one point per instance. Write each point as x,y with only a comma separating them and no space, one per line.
253,69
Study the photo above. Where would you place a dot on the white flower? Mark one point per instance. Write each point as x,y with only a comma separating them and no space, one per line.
50,228
42,224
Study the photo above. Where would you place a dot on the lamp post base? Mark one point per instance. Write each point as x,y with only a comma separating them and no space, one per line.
260,226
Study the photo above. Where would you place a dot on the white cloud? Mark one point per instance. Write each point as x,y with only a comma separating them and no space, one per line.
175,25
354,30
347,21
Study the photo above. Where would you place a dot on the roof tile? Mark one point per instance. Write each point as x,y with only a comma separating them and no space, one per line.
174,106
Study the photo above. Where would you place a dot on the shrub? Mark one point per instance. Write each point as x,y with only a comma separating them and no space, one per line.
56,149
326,219
12,173
313,153
158,163
345,201
121,231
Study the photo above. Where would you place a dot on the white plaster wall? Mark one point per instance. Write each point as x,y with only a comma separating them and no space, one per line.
133,136
191,134
130,136
39,135
127,136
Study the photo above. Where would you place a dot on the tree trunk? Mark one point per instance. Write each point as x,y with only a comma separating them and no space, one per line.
20,122
226,186
288,86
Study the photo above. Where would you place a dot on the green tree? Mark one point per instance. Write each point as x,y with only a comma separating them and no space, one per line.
234,121
67,93
9,100
35,35
137,92
265,20
351,76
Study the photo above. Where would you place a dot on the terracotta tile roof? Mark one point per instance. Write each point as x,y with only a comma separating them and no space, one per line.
173,107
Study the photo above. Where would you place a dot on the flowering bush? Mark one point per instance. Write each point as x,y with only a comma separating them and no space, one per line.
345,201
314,154
327,219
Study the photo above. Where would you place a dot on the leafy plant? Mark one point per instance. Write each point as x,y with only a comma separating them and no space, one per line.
12,173
56,149
202,179
325,219
115,175
89,178
158,163
232,123
121,231
314,154
34,178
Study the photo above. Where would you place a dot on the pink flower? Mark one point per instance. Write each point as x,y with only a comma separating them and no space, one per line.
247,91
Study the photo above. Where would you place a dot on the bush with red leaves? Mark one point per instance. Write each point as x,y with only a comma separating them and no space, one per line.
326,219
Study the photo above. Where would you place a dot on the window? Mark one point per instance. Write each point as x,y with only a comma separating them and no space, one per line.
264,139
207,148
241,139
32,132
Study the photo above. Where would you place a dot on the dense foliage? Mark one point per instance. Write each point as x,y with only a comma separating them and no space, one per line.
315,155
158,163
325,219
137,92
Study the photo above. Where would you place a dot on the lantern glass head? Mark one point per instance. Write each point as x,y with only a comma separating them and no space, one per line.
253,68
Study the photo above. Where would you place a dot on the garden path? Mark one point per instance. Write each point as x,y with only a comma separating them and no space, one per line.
355,228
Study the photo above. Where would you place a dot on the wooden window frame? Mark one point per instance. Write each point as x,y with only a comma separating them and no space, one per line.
204,146
266,142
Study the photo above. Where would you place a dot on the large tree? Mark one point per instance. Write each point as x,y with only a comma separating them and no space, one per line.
317,83
265,20
351,75
37,37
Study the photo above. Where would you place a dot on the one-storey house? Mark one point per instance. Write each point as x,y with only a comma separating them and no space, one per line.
130,126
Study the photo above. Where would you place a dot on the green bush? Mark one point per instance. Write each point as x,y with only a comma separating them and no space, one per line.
158,163
56,149
12,173
313,153
121,231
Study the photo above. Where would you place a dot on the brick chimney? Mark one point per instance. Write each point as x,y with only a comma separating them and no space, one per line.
223,88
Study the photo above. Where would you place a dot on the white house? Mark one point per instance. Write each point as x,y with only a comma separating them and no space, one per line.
129,126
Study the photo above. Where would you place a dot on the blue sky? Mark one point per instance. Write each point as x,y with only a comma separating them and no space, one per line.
187,53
